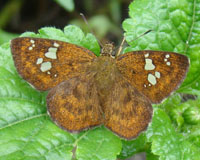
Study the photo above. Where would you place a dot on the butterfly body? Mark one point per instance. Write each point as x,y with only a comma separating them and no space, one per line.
87,91
106,71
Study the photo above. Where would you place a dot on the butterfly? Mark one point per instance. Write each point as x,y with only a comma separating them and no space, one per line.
86,91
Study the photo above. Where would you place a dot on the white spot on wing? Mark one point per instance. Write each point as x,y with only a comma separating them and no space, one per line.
39,60
33,45
157,74
45,66
56,44
51,53
32,41
52,49
167,56
168,63
149,65
146,55
151,79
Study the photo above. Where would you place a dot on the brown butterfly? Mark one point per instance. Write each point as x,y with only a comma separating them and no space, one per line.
86,91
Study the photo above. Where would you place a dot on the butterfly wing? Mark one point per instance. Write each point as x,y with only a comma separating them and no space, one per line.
154,73
74,105
45,63
127,112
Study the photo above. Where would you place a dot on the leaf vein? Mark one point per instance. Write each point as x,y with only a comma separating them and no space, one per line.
26,119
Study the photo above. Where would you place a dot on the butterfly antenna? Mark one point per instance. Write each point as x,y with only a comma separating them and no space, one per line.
123,40
86,22
120,47
143,34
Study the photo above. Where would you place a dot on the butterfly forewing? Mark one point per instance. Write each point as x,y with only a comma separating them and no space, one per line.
74,104
45,63
153,73
127,112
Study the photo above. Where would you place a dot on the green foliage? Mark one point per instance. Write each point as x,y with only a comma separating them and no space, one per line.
5,36
66,4
166,142
100,30
98,144
134,146
26,132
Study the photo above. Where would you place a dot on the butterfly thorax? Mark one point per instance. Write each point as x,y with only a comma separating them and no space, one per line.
105,67
106,72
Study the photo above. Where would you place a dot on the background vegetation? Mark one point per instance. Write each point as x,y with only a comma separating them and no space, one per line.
104,17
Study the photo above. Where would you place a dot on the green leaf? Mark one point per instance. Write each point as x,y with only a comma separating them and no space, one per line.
26,132
193,134
93,45
151,156
6,36
52,33
185,117
175,25
76,35
132,147
99,144
166,142
66,4
174,108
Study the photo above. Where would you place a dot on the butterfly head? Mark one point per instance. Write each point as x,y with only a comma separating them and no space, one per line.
107,49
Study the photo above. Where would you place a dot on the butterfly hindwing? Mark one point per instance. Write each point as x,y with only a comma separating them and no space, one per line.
153,73
74,104
45,63
127,112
